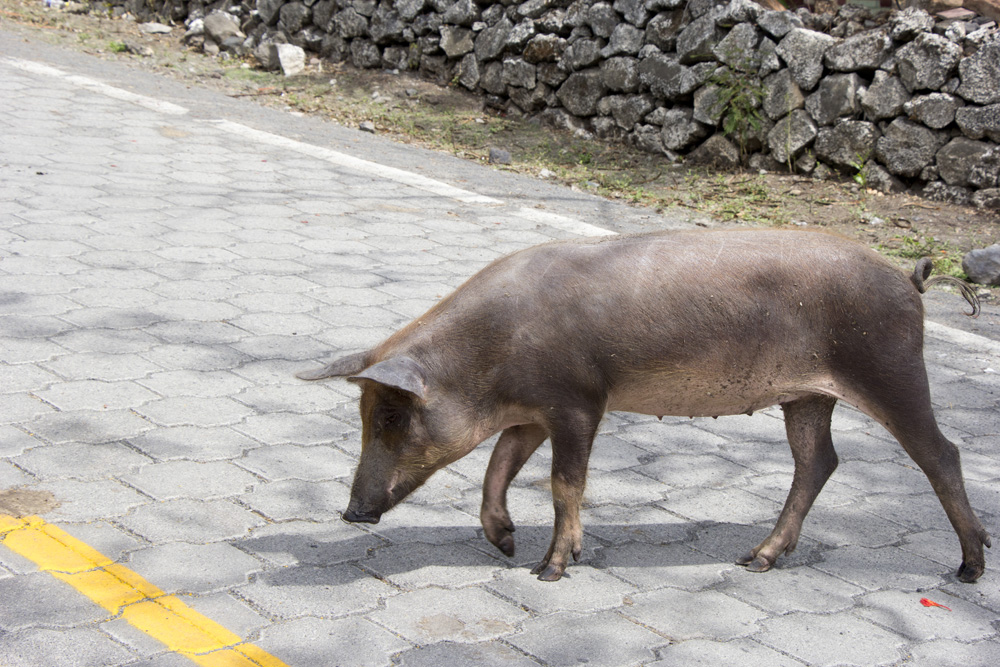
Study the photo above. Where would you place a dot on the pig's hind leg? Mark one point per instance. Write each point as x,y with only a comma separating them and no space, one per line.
807,423
514,447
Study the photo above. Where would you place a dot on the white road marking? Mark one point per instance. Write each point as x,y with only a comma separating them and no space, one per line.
571,225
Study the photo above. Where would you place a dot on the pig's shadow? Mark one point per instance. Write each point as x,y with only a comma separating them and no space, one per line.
331,559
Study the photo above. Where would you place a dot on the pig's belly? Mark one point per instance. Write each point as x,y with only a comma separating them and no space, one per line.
713,396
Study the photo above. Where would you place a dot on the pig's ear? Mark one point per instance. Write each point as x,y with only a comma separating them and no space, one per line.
400,373
349,365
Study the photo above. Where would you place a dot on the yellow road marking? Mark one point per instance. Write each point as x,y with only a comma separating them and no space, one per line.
123,592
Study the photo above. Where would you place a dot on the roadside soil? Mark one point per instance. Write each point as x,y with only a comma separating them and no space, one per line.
448,118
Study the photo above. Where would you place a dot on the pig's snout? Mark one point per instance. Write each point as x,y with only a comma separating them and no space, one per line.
351,515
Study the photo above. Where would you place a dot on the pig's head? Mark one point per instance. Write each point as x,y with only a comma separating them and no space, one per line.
410,429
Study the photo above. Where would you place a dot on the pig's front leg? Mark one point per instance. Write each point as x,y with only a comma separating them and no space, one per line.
572,436
514,447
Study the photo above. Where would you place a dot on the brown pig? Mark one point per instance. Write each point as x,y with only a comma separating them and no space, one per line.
541,343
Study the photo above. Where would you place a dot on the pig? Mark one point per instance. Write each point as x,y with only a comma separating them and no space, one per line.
541,343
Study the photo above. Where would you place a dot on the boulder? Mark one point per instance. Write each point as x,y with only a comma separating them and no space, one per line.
581,92
781,95
709,104
907,24
350,23
364,54
544,48
456,41
670,80
581,54
294,16
602,19
291,59
906,148
534,99
738,49
988,199
680,130
468,72
627,110
986,174
791,135
779,23
980,74
885,97
626,39
386,26
517,72
836,96
662,30
936,110
621,74
803,50
633,11
877,178
847,145
221,25
717,152
491,42
927,62
268,10
696,41
957,159
942,192
982,265
463,13
978,122
408,9
864,51
736,12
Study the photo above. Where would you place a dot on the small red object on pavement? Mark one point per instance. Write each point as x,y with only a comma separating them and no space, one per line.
931,603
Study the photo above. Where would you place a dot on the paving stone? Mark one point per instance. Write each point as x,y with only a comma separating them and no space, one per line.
709,614
96,395
195,383
301,542
88,426
41,599
310,590
949,652
786,589
14,441
287,428
857,642
191,520
413,566
430,615
486,654
705,653
189,479
193,443
696,470
315,463
872,568
903,613
347,642
73,647
90,500
80,461
181,567
298,499
603,638
194,411
652,566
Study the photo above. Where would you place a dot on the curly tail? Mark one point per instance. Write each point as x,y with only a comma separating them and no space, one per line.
922,281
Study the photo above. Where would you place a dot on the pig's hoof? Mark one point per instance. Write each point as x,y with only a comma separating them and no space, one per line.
754,563
548,572
969,573
506,545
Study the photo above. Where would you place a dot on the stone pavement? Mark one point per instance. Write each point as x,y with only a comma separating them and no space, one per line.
164,270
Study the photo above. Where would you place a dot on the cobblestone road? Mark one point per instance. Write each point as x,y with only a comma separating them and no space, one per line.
164,271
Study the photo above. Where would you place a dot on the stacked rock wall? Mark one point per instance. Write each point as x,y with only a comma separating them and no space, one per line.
907,100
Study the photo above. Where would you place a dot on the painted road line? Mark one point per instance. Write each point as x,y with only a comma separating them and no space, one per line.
562,222
150,103
124,593
967,341
356,164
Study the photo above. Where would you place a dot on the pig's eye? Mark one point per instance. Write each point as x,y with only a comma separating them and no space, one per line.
391,419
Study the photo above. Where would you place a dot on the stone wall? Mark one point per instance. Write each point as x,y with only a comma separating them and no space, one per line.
907,100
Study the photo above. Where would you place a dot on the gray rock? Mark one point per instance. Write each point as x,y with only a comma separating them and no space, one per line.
544,48
647,138
220,25
877,178
848,145
350,23
532,9
294,16
517,72
980,74
322,13
551,74
625,39
978,122
365,54
154,28
709,104
791,135
836,96
864,51
663,28
781,95
696,41
627,110
463,13
669,80
468,72
906,148
885,97
927,62
907,24
680,130
581,92
803,51
520,35
634,11
942,192
602,19
367,126
736,12
986,174
957,159
936,110
621,74
738,49
268,10
491,78
386,26
499,156
491,42
456,41
988,199
779,24
291,59
581,54
767,54
717,151
659,5
408,9
982,265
